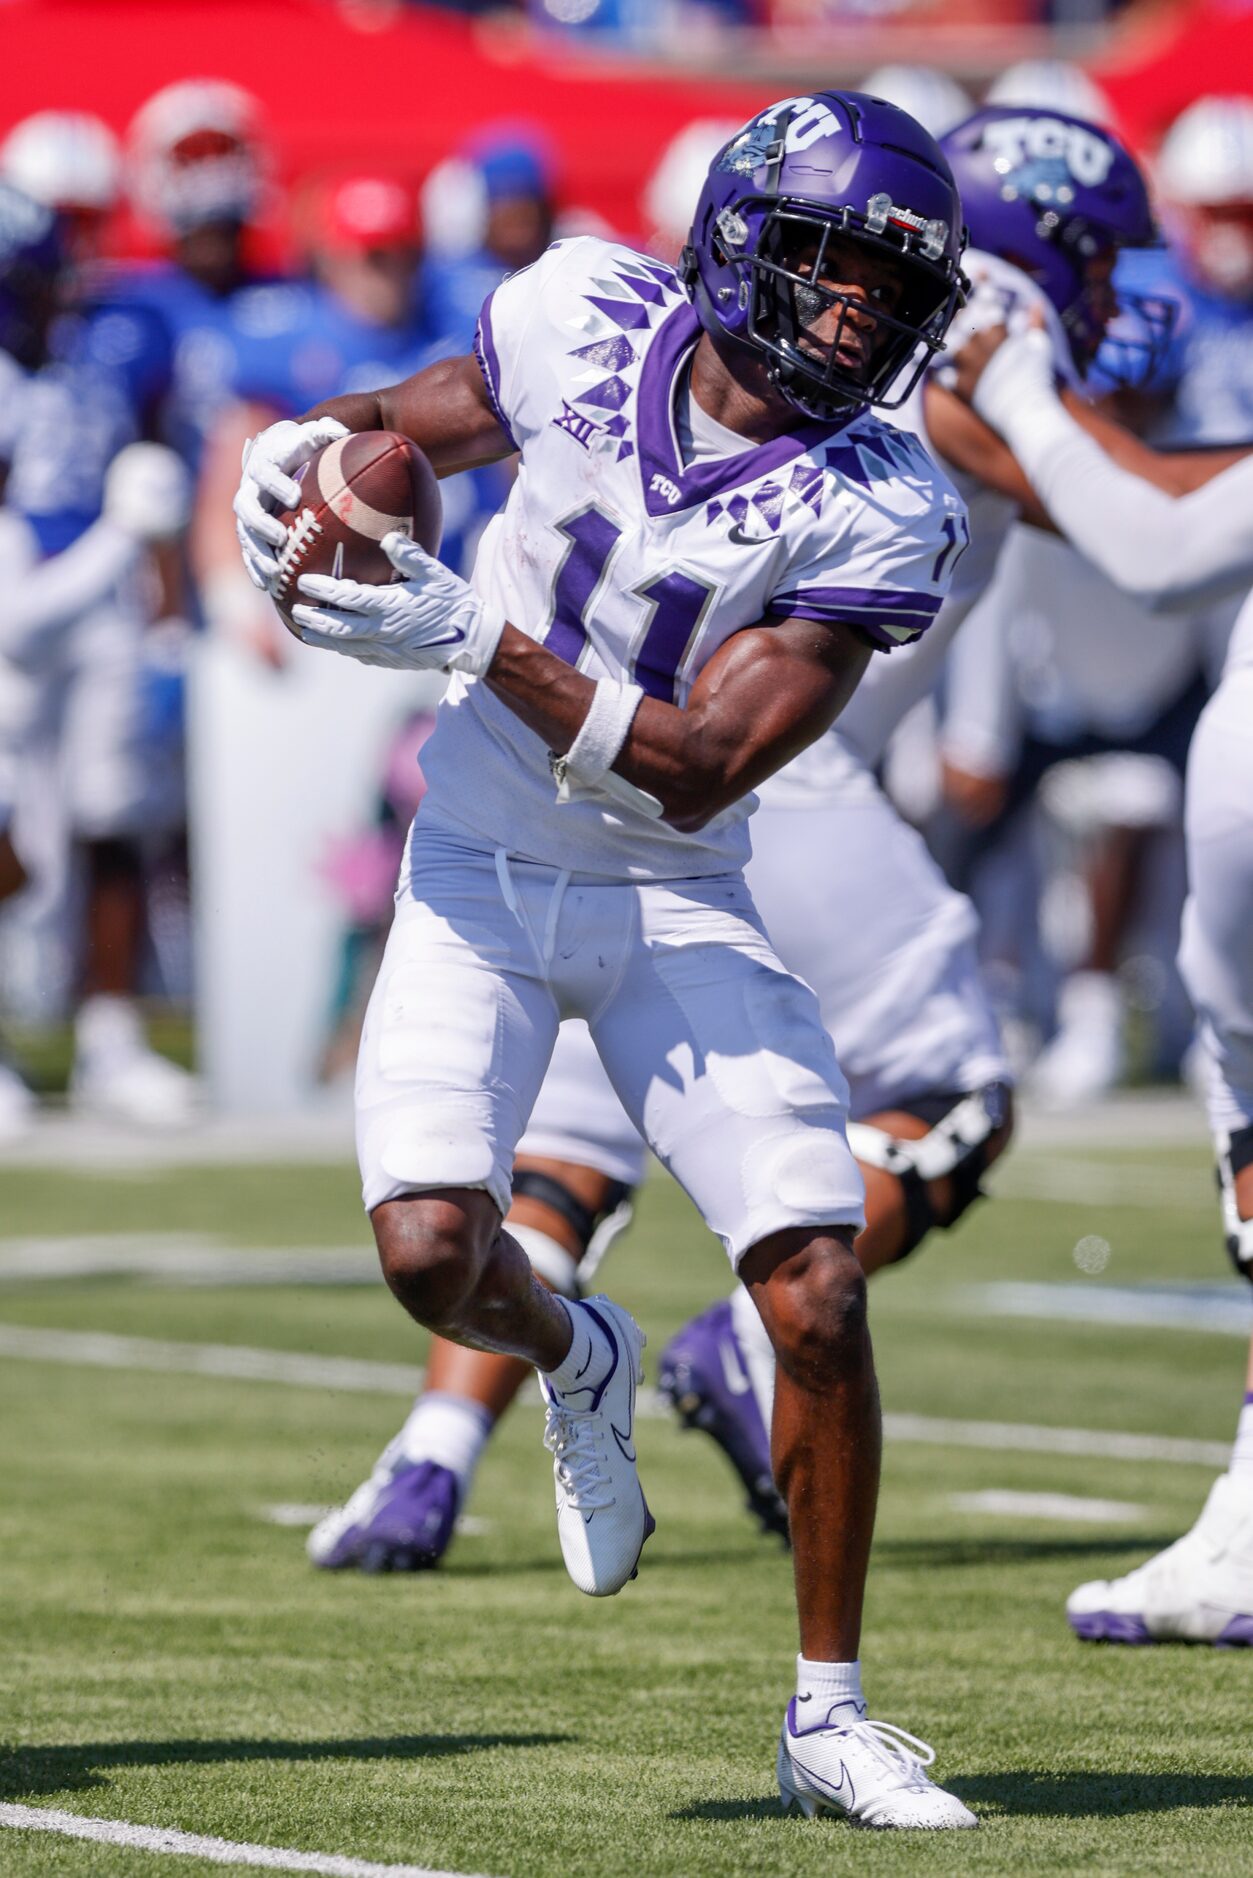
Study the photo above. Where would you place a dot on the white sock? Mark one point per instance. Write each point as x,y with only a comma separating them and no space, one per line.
822,1687
449,1429
752,1337
590,1355
1242,1454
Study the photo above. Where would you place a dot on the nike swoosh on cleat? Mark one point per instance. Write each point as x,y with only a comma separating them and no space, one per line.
626,1446
732,1369
838,1791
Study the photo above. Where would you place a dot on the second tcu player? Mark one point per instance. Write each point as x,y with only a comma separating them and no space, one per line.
653,630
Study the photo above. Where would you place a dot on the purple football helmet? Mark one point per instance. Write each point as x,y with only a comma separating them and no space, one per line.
31,258
1051,194
782,204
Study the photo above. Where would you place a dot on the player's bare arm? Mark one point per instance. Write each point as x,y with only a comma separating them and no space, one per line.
445,409
761,699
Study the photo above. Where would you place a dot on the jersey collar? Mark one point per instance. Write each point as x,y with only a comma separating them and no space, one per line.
669,484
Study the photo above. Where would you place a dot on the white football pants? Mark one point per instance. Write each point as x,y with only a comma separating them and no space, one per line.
1216,947
717,1055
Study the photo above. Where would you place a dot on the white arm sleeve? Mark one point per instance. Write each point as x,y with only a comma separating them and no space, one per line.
42,597
1171,552
982,727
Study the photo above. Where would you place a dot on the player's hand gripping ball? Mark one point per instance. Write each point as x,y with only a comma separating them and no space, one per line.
350,494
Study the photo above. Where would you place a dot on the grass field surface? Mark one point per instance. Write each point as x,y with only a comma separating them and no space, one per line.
170,1659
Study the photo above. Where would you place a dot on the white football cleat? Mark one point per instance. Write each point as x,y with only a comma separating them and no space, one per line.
1199,1590
602,1516
18,1104
1086,1058
119,1077
870,1773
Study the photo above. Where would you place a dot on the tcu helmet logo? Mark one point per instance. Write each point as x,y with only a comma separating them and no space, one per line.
1016,142
807,119
804,121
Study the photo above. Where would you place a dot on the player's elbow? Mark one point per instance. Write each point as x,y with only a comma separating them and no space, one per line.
694,802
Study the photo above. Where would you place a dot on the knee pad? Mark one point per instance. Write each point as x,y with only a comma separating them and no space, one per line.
956,1149
595,1231
1237,1232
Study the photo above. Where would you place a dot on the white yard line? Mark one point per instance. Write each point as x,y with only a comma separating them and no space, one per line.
1003,1501
101,1350
198,1845
1223,1309
184,1259
97,1349
1027,1438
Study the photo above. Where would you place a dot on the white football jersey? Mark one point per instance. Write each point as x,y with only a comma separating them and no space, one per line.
629,564
838,763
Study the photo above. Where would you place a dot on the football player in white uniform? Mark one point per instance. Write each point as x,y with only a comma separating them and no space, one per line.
1200,1590
900,993
649,635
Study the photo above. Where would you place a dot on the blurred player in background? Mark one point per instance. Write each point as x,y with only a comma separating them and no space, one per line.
69,161
81,499
1082,677
502,195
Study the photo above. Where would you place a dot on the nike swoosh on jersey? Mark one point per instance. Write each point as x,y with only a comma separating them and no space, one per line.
736,533
732,1369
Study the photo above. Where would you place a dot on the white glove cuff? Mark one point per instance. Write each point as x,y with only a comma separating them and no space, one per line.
482,638
603,731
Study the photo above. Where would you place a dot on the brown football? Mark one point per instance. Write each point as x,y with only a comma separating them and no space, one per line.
352,493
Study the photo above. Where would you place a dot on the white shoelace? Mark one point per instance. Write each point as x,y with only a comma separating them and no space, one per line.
574,1441
895,1747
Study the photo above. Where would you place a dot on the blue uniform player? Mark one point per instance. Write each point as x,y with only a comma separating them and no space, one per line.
82,499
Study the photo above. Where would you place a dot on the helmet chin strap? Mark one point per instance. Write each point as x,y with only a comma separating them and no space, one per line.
786,380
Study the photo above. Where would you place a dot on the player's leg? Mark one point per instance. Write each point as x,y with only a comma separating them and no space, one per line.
403,1516
456,1040
1201,1588
22,705
901,996
721,1060
111,806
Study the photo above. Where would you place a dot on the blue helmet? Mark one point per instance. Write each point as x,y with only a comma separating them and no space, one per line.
1051,193
798,180
31,259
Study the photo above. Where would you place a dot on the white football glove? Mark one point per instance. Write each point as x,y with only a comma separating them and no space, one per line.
147,493
430,619
267,484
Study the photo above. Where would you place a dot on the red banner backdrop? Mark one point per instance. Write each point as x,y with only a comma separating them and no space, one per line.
404,95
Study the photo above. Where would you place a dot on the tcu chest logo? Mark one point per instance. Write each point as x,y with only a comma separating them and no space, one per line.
1015,141
663,486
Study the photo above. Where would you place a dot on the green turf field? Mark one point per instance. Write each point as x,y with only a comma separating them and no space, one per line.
169,1659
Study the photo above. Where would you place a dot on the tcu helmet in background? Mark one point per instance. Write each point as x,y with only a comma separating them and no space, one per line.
1051,193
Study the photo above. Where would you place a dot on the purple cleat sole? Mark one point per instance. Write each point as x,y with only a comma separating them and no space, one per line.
704,1377
1238,1633
408,1529
1109,1627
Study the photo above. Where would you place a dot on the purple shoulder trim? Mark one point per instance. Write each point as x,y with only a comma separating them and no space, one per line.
489,365
889,618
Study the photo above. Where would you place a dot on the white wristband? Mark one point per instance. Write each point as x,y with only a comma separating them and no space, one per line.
602,732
